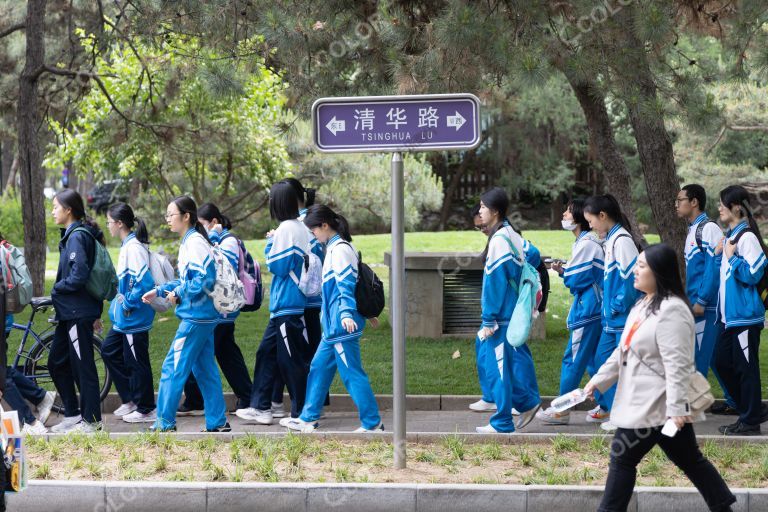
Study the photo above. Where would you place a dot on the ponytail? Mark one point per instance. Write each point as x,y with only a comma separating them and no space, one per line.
124,213
310,197
753,225
142,235
319,214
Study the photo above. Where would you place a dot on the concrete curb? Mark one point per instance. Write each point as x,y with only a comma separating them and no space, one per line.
315,497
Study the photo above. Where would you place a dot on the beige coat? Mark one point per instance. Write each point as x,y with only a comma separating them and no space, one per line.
646,397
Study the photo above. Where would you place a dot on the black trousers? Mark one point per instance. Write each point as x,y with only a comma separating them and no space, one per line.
127,357
284,351
70,362
737,363
315,336
232,365
628,448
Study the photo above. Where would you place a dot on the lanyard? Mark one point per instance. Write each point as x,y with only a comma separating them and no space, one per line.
632,330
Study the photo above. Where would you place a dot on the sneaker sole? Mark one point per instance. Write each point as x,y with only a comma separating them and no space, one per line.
590,419
483,409
143,420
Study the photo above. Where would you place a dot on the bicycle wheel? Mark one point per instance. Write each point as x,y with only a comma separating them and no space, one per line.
36,368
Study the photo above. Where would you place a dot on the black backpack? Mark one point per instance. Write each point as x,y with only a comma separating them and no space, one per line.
762,285
700,231
369,291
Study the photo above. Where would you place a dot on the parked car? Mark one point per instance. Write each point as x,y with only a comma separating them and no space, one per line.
107,193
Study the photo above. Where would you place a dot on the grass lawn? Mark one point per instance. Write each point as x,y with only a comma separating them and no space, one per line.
300,458
430,366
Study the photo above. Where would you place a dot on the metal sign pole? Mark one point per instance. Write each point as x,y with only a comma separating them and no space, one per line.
397,309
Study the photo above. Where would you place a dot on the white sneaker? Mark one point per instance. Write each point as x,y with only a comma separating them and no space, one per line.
139,417
598,415
608,426
252,415
526,417
34,429
44,407
482,406
83,427
488,429
515,412
363,430
125,409
552,417
277,410
299,425
66,424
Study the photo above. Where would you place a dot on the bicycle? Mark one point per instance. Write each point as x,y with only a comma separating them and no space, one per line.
33,363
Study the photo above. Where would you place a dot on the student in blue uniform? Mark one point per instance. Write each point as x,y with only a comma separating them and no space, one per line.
741,311
228,353
192,346
703,279
306,197
342,328
126,347
514,376
284,347
583,276
71,352
607,220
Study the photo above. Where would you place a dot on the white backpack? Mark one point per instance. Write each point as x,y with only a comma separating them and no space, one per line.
311,281
162,271
228,294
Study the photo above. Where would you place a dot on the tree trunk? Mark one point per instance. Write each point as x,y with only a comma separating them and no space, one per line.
27,123
601,137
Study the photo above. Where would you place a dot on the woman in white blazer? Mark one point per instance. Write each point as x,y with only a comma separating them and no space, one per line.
653,365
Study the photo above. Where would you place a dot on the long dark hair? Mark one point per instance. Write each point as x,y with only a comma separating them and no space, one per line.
608,204
124,213
305,195
210,211
498,200
283,202
72,200
319,214
736,195
186,204
663,262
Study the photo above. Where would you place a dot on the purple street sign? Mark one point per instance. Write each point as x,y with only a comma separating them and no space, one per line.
396,123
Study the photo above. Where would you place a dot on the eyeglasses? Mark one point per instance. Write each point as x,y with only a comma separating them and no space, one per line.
170,215
680,200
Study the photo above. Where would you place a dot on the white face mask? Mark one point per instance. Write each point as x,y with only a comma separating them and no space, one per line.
568,225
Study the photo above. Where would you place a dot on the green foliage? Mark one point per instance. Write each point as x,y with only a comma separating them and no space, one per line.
12,226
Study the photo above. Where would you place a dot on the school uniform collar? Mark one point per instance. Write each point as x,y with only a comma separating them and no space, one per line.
189,233
613,230
224,232
72,227
582,235
302,213
333,240
738,229
130,237
701,218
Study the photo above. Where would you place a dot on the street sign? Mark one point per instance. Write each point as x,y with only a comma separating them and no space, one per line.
396,123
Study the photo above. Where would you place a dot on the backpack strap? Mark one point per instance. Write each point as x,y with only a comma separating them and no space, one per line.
621,235
515,252
700,231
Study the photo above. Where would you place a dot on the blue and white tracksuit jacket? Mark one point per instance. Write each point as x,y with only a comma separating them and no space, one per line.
127,312
512,370
318,249
285,252
583,276
340,349
532,254
231,249
739,302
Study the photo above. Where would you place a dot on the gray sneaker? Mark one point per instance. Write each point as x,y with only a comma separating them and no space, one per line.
66,424
526,417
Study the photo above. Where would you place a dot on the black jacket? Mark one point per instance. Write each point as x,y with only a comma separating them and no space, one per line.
77,252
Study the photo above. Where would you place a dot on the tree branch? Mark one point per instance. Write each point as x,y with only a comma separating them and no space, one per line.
13,28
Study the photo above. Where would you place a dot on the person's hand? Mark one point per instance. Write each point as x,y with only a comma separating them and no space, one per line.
270,233
149,296
680,421
557,266
98,326
719,248
349,325
589,390
488,332
698,309
730,250
172,298
374,322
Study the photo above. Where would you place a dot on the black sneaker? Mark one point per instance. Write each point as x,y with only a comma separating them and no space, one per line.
184,410
740,429
724,409
224,428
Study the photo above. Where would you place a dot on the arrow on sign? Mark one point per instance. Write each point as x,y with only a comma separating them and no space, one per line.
457,120
336,125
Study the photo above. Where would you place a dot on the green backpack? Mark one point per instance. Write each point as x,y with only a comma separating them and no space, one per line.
18,281
102,282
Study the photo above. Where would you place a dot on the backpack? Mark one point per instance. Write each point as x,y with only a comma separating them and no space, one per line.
102,281
18,281
700,232
544,280
369,290
311,281
249,273
529,296
762,285
228,295
162,272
